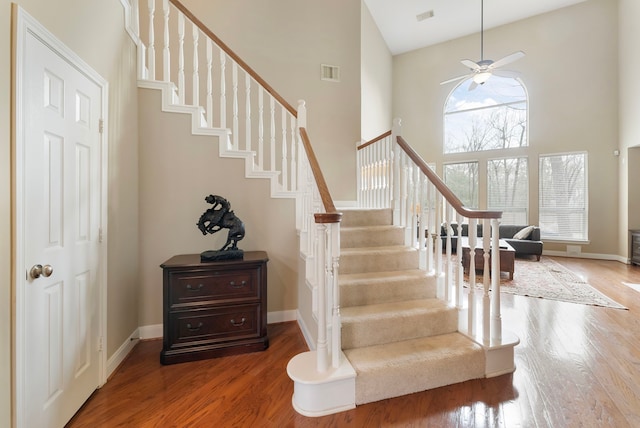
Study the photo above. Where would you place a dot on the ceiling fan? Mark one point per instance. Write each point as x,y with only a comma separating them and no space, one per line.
482,70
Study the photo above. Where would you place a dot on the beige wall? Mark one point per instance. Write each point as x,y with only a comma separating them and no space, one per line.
571,74
629,102
177,171
285,41
376,71
94,29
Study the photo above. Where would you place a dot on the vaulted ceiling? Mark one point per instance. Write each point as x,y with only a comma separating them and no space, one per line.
403,31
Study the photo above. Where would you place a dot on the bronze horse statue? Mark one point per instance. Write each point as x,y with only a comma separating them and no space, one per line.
219,217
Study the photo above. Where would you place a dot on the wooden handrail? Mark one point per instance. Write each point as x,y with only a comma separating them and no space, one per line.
182,8
442,187
375,140
331,215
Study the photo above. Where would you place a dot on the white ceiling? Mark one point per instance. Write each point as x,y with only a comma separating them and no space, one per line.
397,21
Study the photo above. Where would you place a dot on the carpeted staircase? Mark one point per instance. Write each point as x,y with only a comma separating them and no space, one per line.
397,335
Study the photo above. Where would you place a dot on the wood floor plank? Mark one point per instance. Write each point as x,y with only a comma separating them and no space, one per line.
577,366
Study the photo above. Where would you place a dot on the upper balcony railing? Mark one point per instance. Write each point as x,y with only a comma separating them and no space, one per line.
203,76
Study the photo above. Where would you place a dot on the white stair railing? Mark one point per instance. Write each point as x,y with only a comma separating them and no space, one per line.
427,209
204,74
263,128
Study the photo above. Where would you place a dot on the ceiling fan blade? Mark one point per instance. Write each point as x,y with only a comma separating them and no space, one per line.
456,79
470,64
473,85
507,59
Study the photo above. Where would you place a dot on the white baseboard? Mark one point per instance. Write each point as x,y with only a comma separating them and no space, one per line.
118,357
305,332
151,331
593,256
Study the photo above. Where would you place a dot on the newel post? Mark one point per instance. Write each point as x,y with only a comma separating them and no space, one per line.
396,131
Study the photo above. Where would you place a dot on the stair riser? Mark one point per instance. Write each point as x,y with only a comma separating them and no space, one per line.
366,238
354,218
378,262
361,333
390,291
400,380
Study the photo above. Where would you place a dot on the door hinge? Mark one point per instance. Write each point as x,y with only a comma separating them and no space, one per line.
101,126
100,235
100,344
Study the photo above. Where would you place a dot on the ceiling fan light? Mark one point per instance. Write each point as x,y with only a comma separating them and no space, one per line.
481,77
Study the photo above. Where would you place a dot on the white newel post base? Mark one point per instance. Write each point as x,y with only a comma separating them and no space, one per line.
499,355
320,394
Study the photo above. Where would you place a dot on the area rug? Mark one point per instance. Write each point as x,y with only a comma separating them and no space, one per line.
548,279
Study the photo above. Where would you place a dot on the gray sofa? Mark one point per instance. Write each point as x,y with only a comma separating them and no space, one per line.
529,246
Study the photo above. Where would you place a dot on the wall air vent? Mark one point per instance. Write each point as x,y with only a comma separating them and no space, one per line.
330,73
425,15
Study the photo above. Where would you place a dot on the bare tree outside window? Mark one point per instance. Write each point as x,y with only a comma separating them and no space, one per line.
493,116
508,189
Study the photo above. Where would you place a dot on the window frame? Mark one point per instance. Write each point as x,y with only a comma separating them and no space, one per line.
565,239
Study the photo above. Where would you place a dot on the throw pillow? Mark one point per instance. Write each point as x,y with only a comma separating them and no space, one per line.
523,233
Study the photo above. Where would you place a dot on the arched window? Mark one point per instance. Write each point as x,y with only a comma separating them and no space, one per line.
490,117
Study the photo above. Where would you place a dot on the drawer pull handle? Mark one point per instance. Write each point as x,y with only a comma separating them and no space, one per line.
238,324
234,285
192,328
198,288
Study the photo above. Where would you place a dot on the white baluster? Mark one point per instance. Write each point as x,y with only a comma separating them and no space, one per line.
486,301
473,227
395,132
261,129
247,84
151,50
438,211
196,65
459,268
209,83
234,82
181,88
272,142
496,315
430,228
449,273
294,166
321,348
223,89
336,323
283,166
166,54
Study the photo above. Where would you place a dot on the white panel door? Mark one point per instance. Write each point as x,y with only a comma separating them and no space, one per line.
60,301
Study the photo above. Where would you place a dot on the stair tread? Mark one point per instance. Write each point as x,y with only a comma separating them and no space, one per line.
423,349
393,309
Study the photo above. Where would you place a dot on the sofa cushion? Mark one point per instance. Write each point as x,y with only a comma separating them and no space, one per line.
523,233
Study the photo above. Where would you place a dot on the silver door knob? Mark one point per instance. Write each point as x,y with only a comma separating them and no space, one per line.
39,270
47,270
35,271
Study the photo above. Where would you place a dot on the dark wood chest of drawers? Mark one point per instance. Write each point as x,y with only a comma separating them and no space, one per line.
635,247
214,309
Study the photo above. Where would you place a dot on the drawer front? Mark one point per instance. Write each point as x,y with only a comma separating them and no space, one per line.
199,327
189,288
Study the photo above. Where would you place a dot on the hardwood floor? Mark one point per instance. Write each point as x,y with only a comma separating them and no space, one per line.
577,366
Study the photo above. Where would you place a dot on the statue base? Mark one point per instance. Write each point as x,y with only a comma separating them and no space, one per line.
213,256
